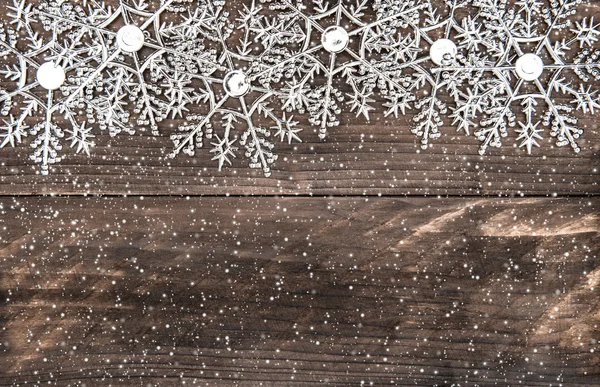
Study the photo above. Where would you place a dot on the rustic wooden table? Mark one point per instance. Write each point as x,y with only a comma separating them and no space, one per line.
361,261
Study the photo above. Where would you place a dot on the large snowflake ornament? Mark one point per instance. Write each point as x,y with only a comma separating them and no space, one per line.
539,63
34,69
325,55
99,64
235,108
142,49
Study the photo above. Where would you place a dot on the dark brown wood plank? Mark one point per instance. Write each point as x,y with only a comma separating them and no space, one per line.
299,291
357,159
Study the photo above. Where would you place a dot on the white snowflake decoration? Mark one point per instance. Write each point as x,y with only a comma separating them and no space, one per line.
325,55
32,96
98,64
119,65
440,40
534,51
139,48
231,99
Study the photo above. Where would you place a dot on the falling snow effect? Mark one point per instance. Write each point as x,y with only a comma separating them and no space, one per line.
155,270
156,291
242,77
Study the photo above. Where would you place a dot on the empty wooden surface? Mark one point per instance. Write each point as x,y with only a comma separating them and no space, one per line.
299,291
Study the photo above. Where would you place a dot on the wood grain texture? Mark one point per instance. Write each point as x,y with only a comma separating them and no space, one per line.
357,159
299,291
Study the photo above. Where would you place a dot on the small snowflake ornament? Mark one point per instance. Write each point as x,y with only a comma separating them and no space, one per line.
433,53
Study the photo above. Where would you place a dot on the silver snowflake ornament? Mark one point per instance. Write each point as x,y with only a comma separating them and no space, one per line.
444,36
324,56
35,66
235,108
101,64
139,48
540,58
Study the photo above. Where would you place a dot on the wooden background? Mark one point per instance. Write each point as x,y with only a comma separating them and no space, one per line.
300,291
178,274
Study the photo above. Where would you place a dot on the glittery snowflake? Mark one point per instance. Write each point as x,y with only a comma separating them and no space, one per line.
143,51
98,64
432,53
540,59
34,107
233,102
324,55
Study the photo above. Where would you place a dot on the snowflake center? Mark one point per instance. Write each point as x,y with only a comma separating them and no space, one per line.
236,84
130,38
442,50
50,76
529,67
335,39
